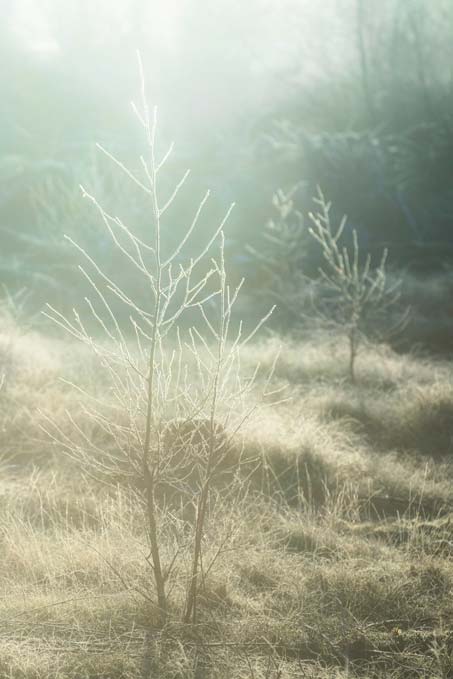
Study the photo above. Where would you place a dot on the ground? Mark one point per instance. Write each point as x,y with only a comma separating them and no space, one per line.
337,560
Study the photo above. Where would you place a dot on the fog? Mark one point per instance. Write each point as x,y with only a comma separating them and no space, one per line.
209,66
354,96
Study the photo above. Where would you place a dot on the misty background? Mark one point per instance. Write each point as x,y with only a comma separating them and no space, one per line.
352,95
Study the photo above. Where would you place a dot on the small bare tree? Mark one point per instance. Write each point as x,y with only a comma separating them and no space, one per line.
176,397
354,297
282,256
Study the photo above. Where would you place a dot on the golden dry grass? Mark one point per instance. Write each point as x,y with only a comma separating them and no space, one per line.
339,558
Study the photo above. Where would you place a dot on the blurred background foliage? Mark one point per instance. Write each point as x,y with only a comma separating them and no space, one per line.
352,95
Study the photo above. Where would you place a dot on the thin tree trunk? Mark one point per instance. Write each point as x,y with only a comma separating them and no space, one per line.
352,353
154,545
420,60
364,68
191,607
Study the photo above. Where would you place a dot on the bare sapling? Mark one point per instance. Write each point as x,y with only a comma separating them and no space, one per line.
355,298
281,259
176,395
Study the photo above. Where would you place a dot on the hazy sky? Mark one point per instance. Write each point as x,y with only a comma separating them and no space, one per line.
269,34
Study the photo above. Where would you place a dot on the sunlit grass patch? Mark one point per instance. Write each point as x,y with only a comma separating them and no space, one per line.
338,552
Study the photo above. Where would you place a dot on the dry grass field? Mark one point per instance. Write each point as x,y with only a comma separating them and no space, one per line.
226,331
331,558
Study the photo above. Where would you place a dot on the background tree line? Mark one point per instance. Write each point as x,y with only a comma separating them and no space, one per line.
355,97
